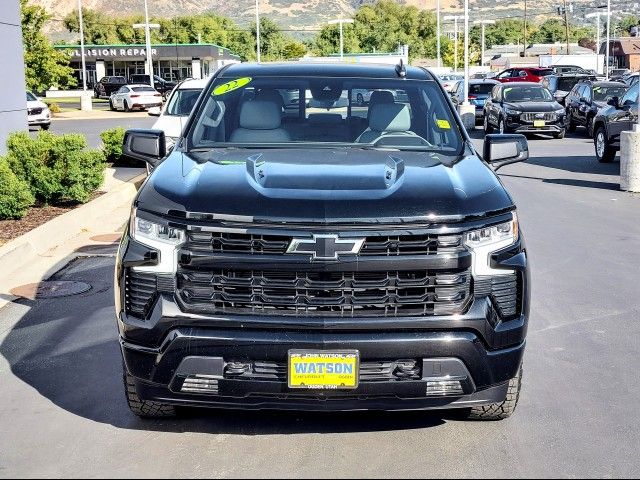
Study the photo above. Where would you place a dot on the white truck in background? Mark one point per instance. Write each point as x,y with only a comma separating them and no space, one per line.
588,62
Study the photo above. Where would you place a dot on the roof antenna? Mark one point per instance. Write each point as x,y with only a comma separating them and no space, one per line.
401,69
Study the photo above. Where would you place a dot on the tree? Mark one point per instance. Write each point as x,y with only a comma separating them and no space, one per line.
44,65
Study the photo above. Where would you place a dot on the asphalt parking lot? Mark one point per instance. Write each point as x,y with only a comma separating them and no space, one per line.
63,412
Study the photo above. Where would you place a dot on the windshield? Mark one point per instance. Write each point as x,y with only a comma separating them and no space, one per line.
602,94
533,93
481,88
304,112
31,97
182,101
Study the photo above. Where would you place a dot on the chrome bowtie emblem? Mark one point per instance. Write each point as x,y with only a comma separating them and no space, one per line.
325,247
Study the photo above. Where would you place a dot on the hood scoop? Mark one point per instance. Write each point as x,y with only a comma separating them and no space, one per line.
323,170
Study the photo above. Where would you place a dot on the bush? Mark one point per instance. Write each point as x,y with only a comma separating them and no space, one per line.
54,108
15,195
112,143
56,167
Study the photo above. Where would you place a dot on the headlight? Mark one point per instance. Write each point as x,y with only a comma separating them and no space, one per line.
145,231
162,238
512,111
485,241
560,112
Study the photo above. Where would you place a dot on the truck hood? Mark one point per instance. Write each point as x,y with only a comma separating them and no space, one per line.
323,186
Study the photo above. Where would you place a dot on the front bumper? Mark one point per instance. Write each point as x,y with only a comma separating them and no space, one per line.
40,119
161,350
515,124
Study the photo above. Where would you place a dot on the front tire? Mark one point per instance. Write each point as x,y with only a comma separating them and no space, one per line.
126,106
487,126
45,126
504,409
571,126
502,129
604,152
590,127
144,408
112,107
560,134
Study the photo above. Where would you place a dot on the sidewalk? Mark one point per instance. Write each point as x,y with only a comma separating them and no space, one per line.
97,115
38,254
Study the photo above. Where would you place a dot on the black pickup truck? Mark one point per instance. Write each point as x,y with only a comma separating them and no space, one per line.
336,256
160,84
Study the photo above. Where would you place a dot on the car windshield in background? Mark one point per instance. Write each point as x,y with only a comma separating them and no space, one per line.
142,89
182,101
527,94
602,94
566,84
398,114
542,73
481,88
31,97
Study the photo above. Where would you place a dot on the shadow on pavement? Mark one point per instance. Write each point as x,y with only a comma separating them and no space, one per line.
67,349
574,182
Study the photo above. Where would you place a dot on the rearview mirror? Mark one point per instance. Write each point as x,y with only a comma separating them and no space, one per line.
500,150
154,111
146,145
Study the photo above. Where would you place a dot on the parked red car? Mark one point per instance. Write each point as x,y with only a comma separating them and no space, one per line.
528,74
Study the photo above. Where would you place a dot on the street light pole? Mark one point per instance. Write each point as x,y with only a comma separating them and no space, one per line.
340,22
606,59
147,39
438,33
455,43
483,23
84,66
466,52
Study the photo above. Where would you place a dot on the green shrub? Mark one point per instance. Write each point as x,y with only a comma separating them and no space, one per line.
112,143
54,108
15,196
56,167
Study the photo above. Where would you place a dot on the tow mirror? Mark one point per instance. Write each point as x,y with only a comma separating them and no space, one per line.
500,150
146,145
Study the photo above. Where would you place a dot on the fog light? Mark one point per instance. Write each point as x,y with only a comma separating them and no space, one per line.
444,387
200,384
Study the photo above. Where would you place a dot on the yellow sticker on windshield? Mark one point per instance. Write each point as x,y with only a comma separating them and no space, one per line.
443,124
231,86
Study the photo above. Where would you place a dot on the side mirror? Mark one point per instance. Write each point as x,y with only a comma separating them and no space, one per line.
500,150
614,102
154,111
146,145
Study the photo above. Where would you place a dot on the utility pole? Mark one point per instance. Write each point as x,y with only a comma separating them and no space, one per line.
466,54
258,30
524,49
566,24
455,19
606,59
147,39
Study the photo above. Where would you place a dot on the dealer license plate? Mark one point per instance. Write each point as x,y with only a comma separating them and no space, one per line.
539,123
323,370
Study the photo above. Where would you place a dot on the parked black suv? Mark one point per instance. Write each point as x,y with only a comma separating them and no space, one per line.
618,116
561,85
160,84
108,85
335,257
586,99
523,107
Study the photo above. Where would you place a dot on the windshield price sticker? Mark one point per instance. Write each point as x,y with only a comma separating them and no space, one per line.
443,124
231,86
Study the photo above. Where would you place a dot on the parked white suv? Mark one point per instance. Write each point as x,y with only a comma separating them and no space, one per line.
38,112
174,113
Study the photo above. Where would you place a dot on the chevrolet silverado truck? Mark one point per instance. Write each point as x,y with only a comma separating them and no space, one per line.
335,256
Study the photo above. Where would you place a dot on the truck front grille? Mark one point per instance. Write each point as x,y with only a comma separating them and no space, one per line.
393,293
370,371
385,245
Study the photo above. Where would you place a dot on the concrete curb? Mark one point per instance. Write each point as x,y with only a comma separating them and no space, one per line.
97,115
38,254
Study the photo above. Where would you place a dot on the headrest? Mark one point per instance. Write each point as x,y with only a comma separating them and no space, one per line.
389,117
270,95
324,118
259,115
381,96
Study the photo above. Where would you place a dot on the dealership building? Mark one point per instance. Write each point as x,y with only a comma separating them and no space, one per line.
170,61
